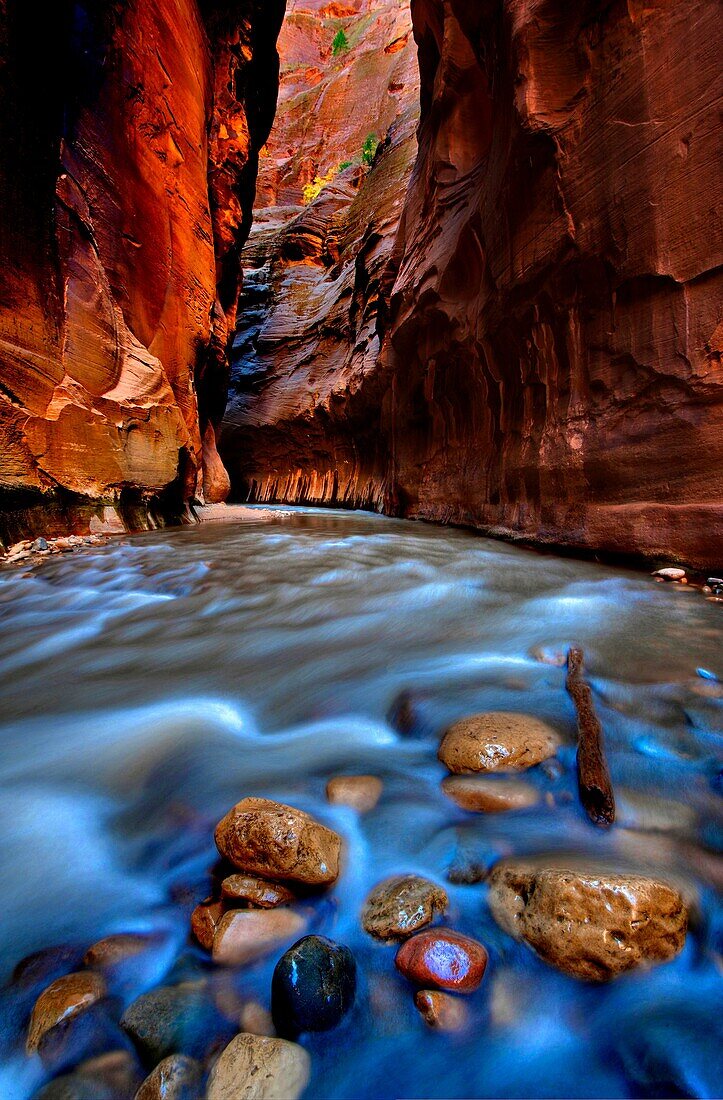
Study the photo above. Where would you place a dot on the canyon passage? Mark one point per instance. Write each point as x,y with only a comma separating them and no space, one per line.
361,531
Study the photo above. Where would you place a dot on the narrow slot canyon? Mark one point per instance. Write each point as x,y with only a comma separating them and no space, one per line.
361,550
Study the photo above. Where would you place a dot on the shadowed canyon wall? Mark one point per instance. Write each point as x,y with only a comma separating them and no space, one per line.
549,318
313,306
130,136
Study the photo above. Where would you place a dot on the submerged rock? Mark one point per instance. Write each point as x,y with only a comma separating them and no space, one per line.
205,919
443,959
589,924
361,792
277,841
313,986
442,1011
112,1076
64,998
175,1078
243,935
255,1067
401,905
479,794
175,1019
497,741
256,891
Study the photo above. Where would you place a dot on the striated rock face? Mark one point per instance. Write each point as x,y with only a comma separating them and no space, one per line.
313,309
130,134
556,349
545,358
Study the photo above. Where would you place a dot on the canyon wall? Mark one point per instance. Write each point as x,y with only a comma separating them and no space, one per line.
548,321
130,132
313,308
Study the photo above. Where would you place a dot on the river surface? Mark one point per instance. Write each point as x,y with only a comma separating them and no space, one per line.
148,685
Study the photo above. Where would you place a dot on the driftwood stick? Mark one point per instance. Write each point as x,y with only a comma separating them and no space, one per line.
593,777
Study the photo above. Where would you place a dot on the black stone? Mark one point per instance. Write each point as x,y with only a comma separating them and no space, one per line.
313,986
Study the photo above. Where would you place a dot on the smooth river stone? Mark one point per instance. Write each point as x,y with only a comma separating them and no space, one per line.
361,792
441,1011
243,935
402,905
497,741
313,986
175,1078
256,891
279,842
255,1067
175,1019
108,953
443,959
589,924
64,998
483,795
205,919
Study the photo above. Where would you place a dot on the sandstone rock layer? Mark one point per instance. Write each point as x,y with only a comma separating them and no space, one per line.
548,335
126,195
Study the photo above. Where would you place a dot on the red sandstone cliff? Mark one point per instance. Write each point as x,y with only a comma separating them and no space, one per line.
551,368
130,134
312,310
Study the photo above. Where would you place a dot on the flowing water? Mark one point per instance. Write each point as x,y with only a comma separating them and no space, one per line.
149,684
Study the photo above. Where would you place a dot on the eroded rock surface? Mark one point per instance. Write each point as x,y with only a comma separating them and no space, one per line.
592,925
546,352
126,196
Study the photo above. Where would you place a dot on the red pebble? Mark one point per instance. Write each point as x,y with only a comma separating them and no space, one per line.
444,959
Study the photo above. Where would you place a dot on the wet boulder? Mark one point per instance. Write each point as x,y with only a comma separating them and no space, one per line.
175,1078
278,842
256,1067
243,935
497,741
63,999
176,1019
591,924
443,959
402,905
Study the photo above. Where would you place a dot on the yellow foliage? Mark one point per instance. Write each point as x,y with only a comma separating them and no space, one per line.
311,190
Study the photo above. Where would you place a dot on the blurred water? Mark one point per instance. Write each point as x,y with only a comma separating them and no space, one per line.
149,684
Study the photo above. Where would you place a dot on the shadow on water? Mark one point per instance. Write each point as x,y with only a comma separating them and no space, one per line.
150,684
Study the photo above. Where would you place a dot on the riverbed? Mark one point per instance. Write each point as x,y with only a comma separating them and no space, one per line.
149,684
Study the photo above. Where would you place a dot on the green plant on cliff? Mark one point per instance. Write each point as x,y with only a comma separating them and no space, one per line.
340,43
369,148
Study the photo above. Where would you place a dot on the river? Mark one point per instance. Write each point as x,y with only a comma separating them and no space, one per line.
149,684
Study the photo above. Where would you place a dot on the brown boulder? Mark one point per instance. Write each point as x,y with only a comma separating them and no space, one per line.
63,998
243,935
255,891
589,924
401,905
489,796
497,741
112,950
279,842
177,1077
204,921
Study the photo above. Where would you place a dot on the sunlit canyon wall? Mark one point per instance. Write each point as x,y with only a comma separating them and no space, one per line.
538,351
130,137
